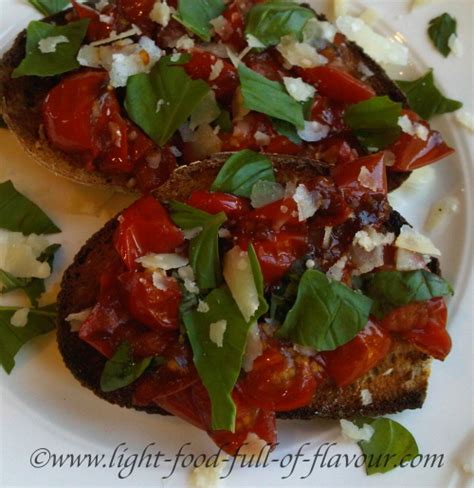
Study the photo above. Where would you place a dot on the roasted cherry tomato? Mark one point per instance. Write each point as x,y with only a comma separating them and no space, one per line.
423,324
138,12
328,112
97,29
336,84
276,215
352,360
232,31
145,227
279,381
156,307
155,166
266,64
181,404
215,202
412,152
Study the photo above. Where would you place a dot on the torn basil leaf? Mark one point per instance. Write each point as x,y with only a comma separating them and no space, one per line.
49,7
440,30
62,60
288,130
188,217
196,15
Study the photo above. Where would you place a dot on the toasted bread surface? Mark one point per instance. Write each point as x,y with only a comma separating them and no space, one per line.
398,383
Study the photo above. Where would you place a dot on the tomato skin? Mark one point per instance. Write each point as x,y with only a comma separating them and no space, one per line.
411,152
279,381
215,202
149,305
96,30
137,12
349,362
266,65
149,178
277,214
145,227
422,324
234,35
329,112
336,84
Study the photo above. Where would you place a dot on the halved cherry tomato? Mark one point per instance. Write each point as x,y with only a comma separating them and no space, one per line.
138,12
145,227
266,64
215,202
329,112
233,32
279,381
96,29
412,152
336,84
423,324
155,307
275,215
181,404
148,176
352,360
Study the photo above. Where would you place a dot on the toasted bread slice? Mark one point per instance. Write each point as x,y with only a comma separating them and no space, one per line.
21,100
398,383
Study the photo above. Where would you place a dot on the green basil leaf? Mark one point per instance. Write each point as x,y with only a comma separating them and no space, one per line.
241,171
9,283
375,121
224,122
259,283
19,214
218,367
196,15
426,99
269,97
326,314
440,30
272,20
121,370
286,129
162,100
62,60
392,289
390,444
49,7
204,254
40,321
188,217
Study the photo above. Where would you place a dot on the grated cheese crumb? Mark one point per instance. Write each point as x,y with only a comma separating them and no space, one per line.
306,202
161,13
365,397
336,271
217,331
77,319
49,44
202,307
369,239
185,43
354,433
299,53
216,70
313,131
20,317
261,138
163,261
159,280
253,42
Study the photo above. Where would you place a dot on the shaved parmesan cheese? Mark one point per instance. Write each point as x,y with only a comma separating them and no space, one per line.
313,131
413,128
222,26
160,281
19,253
382,49
352,432
336,271
191,233
367,179
48,44
261,138
185,43
155,261
106,19
253,347
316,30
410,261
217,331
466,119
238,275
206,476
413,241
216,70
298,89
365,397
366,261
310,264
327,237
77,319
369,16
265,192
20,317
306,201
456,45
369,239
161,13
134,31
253,42
187,275
202,307
441,211
299,53
364,70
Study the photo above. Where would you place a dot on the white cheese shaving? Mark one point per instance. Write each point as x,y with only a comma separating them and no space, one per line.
441,211
366,261
254,445
365,397
191,233
336,271
217,331
298,89
327,237
265,192
222,26
20,317
185,43
313,131
253,347
310,264
352,432
163,261
187,275
253,42
106,19
161,13
318,33
299,53
382,49
133,31
78,318
202,307
261,138
206,476
369,239
367,179
456,45
216,70
224,233
306,201
416,242
466,119
159,280
413,128
48,44
406,260
364,70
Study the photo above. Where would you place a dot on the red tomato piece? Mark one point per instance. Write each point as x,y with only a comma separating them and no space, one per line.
151,306
138,12
266,64
181,404
336,84
281,145
145,227
233,32
352,360
329,112
215,202
411,152
148,177
96,30
276,214
423,324
279,381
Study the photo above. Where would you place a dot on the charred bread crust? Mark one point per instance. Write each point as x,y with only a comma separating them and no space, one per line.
21,99
398,383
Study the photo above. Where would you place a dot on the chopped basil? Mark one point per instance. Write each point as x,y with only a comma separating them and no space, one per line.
272,20
206,112
196,15
188,217
204,254
121,370
18,214
33,287
241,171
39,321
286,129
392,289
162,100
49,7
426,99
269,97
259,283
375,121
218,367
326,314
62,60
440,30
390,444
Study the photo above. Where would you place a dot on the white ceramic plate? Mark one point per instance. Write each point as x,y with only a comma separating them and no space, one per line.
44,411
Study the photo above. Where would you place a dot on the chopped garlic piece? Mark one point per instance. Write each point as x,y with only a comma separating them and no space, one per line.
352,432
48,44
298,89
217,331
164,261
413,241
20,317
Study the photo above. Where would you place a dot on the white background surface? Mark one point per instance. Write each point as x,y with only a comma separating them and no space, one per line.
42,406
